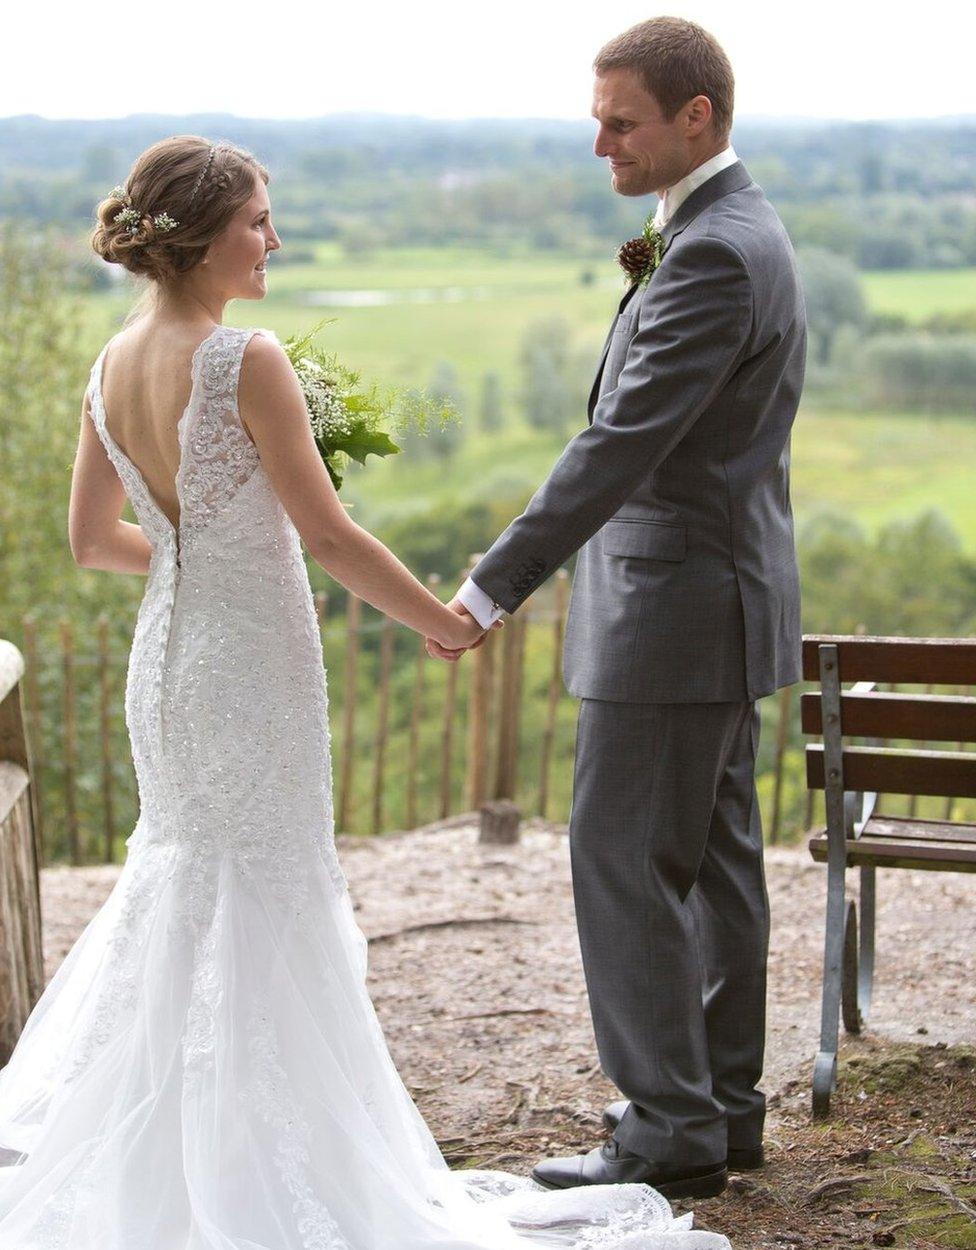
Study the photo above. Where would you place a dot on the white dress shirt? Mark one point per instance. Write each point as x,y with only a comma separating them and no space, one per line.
481,606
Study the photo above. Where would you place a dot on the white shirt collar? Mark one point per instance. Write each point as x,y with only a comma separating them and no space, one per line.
675,196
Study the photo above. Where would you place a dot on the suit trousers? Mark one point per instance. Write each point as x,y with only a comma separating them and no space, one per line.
673,913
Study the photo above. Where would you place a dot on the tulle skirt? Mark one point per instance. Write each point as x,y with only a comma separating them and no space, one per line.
205,1071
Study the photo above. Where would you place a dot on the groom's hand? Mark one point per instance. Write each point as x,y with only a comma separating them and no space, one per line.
439,652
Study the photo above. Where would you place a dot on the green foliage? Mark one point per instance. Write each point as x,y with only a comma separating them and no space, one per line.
887,195
440,440
347,420
438,537
834,298
552,390
910,578
491,413
921,372
43,374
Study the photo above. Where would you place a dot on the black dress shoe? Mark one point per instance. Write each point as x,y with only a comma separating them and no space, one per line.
740,1158
610,1164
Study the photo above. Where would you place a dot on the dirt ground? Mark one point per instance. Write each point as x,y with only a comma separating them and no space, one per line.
475,971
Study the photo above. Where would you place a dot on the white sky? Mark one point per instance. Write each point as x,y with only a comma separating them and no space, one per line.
463,58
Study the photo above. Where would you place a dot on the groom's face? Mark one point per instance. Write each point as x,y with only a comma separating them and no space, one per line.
646,152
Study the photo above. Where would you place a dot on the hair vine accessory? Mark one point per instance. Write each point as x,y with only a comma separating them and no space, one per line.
130,217
203,174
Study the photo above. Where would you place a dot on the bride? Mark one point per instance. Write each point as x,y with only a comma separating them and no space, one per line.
205,1070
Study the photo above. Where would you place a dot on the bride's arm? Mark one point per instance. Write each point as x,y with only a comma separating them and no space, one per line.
273,411
98,538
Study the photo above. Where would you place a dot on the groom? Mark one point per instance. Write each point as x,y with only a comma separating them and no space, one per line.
684,612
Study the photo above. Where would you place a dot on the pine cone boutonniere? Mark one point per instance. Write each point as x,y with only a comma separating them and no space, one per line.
641,256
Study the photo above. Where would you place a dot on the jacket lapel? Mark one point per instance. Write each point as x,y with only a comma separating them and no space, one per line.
732,178
595,389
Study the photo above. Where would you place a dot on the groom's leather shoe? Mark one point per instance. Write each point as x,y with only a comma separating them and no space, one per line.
740,1158
610,1164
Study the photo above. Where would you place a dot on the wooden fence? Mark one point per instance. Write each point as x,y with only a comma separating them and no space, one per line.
413,739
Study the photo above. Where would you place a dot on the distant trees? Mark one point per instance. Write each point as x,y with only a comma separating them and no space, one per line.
834,299
553,376
491,410
885,195
909,578
921,372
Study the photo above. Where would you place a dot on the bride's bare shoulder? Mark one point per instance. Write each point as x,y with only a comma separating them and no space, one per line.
268,387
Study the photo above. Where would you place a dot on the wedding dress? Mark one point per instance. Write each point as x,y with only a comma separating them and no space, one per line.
205,1070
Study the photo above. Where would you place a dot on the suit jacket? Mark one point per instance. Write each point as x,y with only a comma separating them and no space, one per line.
677,494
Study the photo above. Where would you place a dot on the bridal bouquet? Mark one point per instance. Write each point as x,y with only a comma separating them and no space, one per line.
350,420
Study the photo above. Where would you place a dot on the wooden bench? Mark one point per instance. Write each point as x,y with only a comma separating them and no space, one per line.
852,777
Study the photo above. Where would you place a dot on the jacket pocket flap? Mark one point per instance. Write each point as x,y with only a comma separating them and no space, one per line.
647,540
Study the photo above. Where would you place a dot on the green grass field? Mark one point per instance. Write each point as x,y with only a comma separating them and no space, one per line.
919,293
872,467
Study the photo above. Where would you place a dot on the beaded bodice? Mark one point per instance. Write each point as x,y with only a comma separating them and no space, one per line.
225,700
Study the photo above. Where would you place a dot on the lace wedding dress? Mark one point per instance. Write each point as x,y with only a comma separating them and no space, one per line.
205,1070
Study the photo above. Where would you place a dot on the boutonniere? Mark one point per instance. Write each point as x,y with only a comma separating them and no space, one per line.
641,256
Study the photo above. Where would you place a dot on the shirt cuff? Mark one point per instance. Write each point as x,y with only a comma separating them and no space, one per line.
481,606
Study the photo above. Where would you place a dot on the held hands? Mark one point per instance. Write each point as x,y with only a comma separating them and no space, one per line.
458,636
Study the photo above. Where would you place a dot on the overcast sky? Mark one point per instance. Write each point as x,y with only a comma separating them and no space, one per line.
455,58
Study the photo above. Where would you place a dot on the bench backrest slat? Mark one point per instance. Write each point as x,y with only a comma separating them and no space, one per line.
886,771
935,661
921,717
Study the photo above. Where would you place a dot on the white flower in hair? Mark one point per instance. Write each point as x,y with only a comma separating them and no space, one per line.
129,218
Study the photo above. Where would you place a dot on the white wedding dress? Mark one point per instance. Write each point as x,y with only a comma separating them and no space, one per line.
205,1070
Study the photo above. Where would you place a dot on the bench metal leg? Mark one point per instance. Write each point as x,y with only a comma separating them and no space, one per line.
825,1065
865,969
858,976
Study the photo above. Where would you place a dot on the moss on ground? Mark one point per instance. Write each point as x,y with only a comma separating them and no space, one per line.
894,1165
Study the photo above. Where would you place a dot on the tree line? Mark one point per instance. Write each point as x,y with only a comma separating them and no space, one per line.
886,195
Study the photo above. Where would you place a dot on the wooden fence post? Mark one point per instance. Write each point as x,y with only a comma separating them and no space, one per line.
416,717
70,740
555,688
349,694
479,720
382,720
510,698
35,736
447,738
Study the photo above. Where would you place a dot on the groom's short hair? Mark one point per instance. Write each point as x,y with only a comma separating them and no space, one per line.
677,60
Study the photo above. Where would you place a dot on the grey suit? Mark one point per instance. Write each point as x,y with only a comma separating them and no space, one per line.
685,610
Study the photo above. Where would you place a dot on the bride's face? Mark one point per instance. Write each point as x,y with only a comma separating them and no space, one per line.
237,258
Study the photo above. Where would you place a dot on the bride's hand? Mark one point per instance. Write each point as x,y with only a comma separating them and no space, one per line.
460,633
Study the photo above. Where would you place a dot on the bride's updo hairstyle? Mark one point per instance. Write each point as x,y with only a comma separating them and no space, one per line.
188,180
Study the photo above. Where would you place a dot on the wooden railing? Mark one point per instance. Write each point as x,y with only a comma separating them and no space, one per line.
21,956
413,739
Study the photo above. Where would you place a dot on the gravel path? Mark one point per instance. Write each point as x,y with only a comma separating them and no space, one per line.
476,974
461,933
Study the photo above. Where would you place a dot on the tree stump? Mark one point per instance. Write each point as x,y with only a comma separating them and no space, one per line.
500,823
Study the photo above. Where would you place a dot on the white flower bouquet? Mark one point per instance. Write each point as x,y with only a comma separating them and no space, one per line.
349,419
